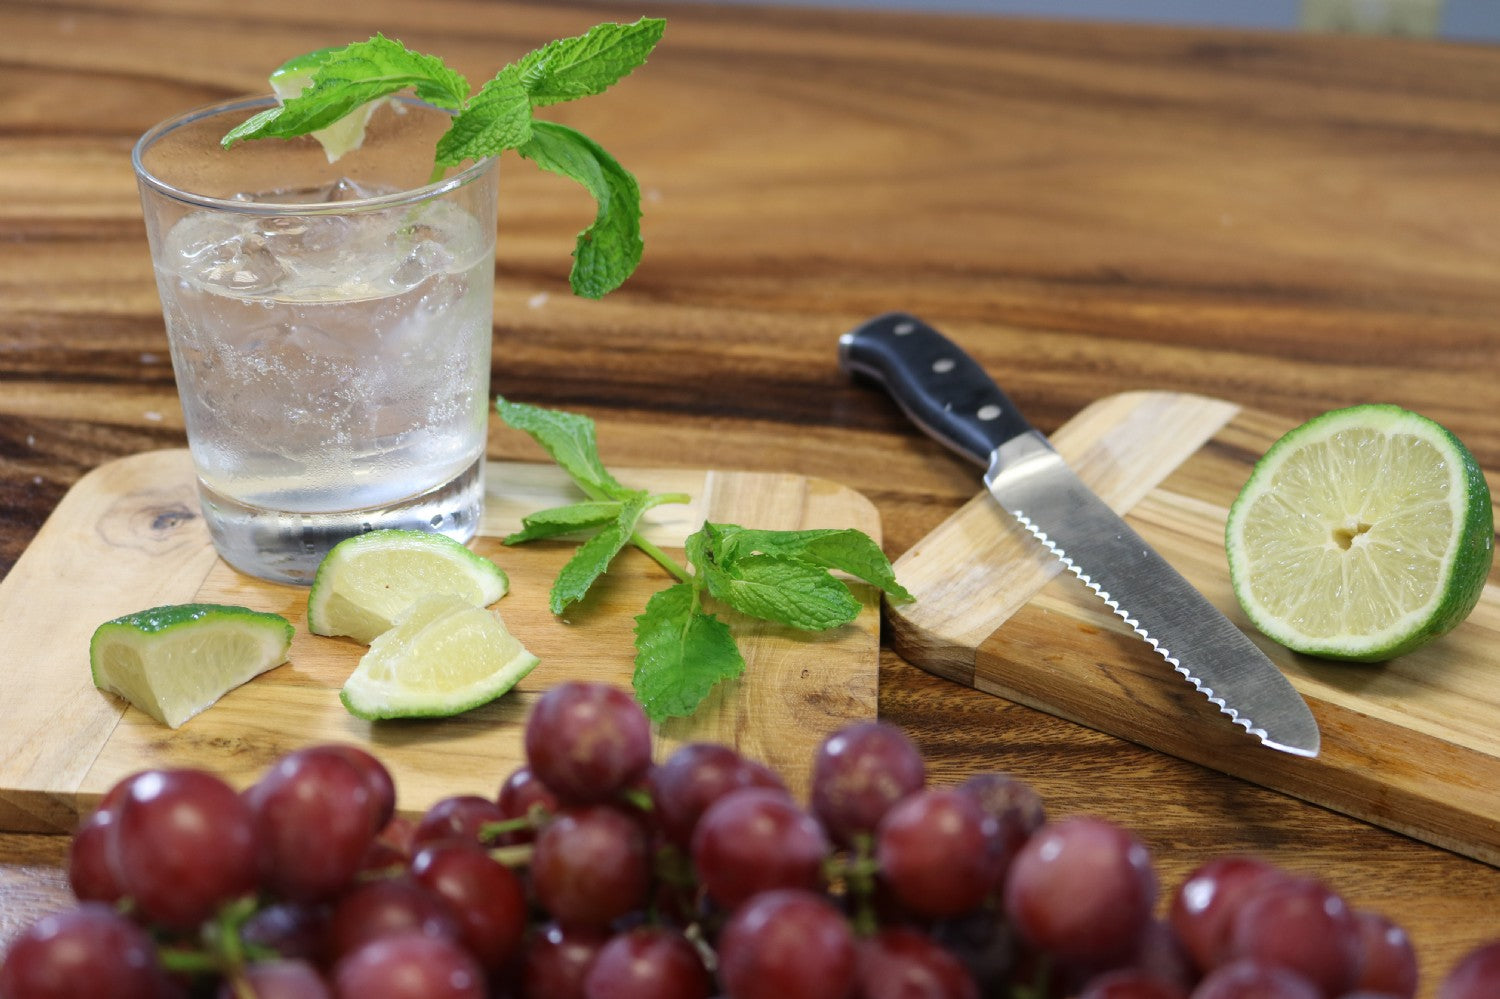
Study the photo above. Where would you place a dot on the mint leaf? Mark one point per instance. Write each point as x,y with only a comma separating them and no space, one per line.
682,653
785,591
569,438
607,252
563,520
347,78
848,550
594,555
496,119
589,64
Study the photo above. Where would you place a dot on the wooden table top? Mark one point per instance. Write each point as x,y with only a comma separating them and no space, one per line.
1289,222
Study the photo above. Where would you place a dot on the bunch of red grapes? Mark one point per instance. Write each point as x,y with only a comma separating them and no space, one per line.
596,873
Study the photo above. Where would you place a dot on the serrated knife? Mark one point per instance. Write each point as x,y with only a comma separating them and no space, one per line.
948,394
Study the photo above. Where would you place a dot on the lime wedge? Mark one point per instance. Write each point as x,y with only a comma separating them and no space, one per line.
174,661
1362,534
344,135
443,657
365,582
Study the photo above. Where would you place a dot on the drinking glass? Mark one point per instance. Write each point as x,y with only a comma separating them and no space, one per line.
330,326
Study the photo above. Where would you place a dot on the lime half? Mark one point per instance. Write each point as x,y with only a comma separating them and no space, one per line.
1362,534
443,657
174,661
366,582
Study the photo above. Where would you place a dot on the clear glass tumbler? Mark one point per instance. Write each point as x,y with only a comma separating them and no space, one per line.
330,327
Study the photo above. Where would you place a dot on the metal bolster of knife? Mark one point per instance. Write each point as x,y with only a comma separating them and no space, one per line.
941,389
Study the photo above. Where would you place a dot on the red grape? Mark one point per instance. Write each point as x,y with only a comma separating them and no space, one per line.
591,865
183,845
1250,979
1300,925
1205,904
859,772
384,908
1081,889
1475,976
377,778
315,821
279,979
522,795
555,960
756,839
82,953
459,818
89,873
901,963
648,963
1130,983
484,894
291,929
693,778
1015,805
1388,961
409,966
936,850
787,944
587,741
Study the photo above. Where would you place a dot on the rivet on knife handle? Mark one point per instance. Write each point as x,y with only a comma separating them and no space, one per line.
952,398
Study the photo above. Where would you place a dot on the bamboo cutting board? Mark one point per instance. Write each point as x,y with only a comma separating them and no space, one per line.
128,536
1412,745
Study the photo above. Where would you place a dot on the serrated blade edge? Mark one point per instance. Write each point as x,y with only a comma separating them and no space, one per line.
1032,482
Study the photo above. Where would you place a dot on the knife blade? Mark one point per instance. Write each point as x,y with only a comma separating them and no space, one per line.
951,397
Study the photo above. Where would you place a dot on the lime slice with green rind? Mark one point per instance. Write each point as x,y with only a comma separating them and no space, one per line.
1361,535
174,661
368,581
343,136
443,657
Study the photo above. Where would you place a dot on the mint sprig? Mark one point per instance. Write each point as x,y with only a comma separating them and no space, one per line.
683,650
495,119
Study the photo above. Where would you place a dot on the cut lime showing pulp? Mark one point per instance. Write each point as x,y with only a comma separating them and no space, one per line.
1362,534
366,582
174,661
443,657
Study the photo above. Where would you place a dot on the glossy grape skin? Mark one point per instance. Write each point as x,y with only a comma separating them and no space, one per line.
787,944
89,872
587,741
591,865
555,960
378,779
294,930
316,818
384,908
486,897
279,979
1205,904
409,966
1015,806
1130,983
695,776
81,953
1301,925
523,794
183,844
1249,979
458,818
1081,889
756,839
858,773
648,963
937,851
1475,976
1387,961
902,963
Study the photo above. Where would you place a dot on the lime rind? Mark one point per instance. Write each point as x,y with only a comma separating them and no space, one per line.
1361,535
365,583
172,662
442,658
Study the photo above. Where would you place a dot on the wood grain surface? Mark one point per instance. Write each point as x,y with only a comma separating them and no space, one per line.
1409,744
1288,223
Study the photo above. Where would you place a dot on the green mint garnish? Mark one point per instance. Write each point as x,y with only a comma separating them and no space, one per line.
682,649
496,118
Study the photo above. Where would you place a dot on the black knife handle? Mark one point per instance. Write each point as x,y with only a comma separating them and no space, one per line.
943,390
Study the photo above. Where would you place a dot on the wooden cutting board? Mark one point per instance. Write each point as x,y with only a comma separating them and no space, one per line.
1412,745
128,536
